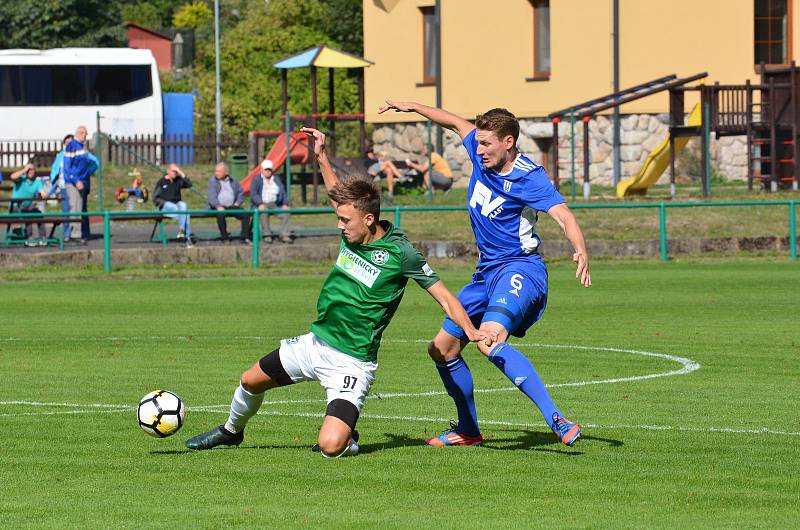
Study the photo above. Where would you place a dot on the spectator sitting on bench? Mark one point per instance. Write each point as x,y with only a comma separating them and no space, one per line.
225,193
267,193
442,175
381,164
27,186
167,198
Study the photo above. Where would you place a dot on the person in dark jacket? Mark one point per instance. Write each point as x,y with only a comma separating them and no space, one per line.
267,193
225,193
167,198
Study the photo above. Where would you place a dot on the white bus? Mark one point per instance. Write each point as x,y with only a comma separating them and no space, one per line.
45,94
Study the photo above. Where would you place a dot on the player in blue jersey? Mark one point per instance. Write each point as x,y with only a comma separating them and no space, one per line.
508,293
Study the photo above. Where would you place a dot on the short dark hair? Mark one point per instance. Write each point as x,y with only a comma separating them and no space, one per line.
68,137
499,121
362,194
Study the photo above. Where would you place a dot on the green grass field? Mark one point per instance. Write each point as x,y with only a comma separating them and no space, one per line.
669,444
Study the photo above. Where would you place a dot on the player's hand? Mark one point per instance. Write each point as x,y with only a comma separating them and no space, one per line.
319,139
398,106
79,185
486,336
582,271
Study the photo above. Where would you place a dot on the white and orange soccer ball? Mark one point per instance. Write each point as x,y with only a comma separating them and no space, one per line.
161,413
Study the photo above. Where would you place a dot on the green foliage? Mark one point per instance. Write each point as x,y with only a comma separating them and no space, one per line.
251,87
344,24
152,14
144,13
171,83
194,15
60,23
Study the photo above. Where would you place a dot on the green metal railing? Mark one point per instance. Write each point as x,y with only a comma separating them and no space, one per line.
398,211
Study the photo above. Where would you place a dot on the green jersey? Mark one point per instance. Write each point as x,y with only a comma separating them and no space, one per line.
363,290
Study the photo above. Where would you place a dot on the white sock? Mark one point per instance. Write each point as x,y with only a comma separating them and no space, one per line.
244,406
351,449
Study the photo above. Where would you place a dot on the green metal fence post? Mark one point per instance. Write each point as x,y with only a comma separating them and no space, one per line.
288,158
572,151
792,231
256,236
662,229
107,241
397,217
707,136
430,163
100,165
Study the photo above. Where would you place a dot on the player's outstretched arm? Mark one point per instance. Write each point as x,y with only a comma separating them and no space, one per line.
321,153
453,308
441,117
563,216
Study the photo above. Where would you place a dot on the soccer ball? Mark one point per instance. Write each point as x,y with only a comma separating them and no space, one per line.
161,413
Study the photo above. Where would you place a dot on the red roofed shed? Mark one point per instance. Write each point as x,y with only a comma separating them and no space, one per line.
159,44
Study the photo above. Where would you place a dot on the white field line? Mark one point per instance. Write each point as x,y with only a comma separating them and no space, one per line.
105,408
688,366
67,412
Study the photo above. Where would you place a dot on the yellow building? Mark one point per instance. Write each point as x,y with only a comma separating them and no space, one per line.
535,57
538,56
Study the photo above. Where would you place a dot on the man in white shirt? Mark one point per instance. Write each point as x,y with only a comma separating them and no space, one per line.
267,193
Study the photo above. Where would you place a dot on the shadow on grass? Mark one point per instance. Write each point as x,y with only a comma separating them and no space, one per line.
510,440
229,448
394,441
520,440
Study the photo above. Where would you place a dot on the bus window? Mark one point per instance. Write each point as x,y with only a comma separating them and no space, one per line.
57,85
53,85
9,86
117,84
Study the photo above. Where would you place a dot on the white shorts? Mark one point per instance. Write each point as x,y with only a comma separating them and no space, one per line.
309,358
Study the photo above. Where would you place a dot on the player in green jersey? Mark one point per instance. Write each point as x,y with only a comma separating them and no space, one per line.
356,303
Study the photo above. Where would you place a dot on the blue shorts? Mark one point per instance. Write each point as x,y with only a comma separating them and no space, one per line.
514,295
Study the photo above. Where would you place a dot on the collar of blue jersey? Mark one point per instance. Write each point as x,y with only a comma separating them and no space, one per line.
524,167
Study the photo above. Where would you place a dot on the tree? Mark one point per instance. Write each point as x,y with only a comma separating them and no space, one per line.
194,15
344,24
145,14
251,87
60,23
152,14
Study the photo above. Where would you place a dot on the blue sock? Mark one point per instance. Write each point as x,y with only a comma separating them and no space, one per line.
458,381
521,372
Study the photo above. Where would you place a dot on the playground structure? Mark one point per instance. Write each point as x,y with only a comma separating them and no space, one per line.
767,114
297,144
585,111
658,160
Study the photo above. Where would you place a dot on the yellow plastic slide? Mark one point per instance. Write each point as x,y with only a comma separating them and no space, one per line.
657,162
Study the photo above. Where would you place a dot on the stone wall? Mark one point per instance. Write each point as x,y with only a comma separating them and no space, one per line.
639,135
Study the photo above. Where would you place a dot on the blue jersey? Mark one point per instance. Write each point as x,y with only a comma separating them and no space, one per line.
504,207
